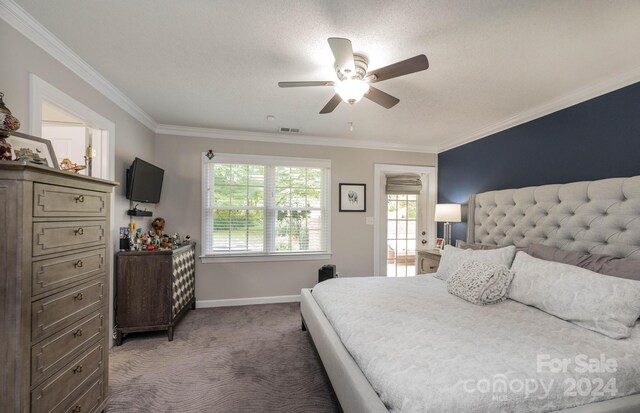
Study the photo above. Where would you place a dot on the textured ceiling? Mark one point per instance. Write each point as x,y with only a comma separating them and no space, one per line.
216,64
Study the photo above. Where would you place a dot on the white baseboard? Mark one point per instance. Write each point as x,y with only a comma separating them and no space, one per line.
230,302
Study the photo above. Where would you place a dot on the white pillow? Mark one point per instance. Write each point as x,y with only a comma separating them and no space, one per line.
605,304
452,258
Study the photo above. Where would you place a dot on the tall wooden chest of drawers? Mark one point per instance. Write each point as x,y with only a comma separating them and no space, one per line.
54,290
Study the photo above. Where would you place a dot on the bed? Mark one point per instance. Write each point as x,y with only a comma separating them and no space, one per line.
430,351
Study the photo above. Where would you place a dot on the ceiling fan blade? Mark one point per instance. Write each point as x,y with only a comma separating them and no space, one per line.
381,98
405,67
304,84
333,103
343,53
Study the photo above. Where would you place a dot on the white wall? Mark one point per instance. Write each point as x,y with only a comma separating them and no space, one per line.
352,239
132,138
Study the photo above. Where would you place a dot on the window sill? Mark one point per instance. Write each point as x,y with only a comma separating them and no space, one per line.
208,259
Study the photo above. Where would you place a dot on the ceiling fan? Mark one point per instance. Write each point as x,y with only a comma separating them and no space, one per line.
354,81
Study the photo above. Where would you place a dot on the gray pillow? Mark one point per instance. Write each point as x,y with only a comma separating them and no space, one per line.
452,258
480,282
603,264
469,246
607,305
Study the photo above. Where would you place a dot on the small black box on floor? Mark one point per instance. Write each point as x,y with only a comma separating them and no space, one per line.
326,272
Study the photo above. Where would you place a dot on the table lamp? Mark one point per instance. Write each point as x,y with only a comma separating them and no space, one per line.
448,213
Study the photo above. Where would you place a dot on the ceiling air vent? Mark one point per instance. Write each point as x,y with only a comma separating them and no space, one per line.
289,130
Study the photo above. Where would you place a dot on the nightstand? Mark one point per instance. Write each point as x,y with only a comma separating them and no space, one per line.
427,261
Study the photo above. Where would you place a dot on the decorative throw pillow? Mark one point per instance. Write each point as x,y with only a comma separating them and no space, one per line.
480,282
603,264
607,305
452,258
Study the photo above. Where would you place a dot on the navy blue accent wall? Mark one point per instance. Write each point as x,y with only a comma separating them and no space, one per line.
596,139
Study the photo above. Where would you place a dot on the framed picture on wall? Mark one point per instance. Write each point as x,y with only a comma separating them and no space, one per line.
32,149
353,198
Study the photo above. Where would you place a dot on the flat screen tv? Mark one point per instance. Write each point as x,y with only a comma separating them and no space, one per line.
144,182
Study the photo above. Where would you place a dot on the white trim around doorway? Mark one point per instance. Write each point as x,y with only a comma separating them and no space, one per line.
41,91
380,171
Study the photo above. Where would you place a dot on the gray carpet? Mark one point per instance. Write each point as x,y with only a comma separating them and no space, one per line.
233,359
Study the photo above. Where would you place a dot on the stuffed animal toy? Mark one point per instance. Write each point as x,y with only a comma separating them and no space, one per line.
158,226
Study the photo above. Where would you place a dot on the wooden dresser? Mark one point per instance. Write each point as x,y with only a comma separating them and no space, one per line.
54,289
154,289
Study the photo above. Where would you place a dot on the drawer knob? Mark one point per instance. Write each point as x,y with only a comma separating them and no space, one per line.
77,409
78,264
77,369
78,297
78,333
79,198
79,231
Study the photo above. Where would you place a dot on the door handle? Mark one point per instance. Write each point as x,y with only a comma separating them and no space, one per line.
424,241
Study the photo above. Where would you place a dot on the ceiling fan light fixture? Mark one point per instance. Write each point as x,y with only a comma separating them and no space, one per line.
351,90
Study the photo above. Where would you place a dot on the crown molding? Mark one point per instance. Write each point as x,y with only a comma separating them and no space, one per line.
579,96
292,139
29,27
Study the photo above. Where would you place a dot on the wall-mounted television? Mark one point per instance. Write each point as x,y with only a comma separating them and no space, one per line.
144,182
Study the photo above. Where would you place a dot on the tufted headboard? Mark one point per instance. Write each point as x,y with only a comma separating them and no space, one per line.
599,217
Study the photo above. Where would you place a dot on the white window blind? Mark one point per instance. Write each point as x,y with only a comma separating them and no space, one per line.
257,205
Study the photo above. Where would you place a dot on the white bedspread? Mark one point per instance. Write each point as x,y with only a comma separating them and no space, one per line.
423,349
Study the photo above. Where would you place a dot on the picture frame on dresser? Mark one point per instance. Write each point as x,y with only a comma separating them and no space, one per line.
37,150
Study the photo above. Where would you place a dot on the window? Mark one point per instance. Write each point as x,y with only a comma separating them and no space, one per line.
259,206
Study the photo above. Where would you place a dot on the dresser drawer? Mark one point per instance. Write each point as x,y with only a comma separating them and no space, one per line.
52,353
427,261
50,237
58,272
428,265
89,400
60,201
54,394
53,312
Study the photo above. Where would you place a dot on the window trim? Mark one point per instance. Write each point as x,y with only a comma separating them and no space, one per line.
274,161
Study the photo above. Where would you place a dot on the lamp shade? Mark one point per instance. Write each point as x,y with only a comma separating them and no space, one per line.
448,213
352,90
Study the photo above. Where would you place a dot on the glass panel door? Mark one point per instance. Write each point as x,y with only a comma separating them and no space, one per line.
402,227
